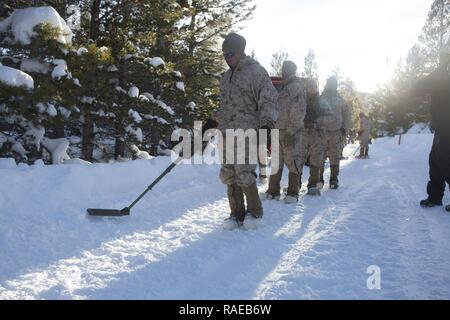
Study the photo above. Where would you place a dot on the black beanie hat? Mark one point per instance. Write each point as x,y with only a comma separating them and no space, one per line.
234,43
289,67
332,83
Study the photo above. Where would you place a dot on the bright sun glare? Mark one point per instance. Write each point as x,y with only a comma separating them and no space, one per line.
365,39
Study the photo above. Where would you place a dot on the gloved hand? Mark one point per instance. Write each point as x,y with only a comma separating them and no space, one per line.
209,124
343,132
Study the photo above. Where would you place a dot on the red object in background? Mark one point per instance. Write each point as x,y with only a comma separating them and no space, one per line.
276,81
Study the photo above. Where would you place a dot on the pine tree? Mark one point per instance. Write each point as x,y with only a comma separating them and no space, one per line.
435,33
29,113
136,71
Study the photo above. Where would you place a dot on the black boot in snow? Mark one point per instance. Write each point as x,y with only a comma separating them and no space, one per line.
334,184
429,203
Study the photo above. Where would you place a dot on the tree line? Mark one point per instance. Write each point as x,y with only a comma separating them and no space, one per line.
136,70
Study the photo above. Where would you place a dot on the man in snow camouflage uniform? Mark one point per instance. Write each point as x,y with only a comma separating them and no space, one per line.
334,123
292,108
437,85
247,101
313,142
365,127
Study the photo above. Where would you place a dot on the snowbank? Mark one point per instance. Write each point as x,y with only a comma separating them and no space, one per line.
172,246
76,161
22,22
7,163
15,78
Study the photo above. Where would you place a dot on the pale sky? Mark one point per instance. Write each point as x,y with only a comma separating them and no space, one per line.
364,38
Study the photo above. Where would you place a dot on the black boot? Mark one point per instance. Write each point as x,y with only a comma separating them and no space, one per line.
321,182
237,207
334,182
314,173
429,203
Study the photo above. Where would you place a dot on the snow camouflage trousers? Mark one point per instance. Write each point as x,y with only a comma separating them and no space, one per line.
313,144
332,145
291,150
244,175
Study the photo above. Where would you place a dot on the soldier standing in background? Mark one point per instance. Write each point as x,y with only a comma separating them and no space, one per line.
292,109
334,125
313,142
365,127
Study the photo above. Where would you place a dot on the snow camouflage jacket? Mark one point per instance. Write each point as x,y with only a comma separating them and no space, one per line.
247,98
291,105
335,113
312,111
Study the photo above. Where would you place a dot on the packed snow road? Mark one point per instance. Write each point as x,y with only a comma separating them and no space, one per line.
369,239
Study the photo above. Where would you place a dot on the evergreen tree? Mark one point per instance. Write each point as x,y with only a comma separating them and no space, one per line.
136,70
435,33
394,105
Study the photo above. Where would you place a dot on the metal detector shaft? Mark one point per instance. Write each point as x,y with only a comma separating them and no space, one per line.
150,187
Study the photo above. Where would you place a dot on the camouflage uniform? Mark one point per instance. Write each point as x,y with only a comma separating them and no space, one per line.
313,141
336,116
365,127
292,108
247,101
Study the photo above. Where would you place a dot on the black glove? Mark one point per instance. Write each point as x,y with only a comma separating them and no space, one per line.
343,132
209,124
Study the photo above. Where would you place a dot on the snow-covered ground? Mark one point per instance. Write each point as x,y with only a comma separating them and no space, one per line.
173,246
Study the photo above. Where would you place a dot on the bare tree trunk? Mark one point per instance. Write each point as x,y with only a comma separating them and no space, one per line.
87,147
59,128
87,135
119,148
95,15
